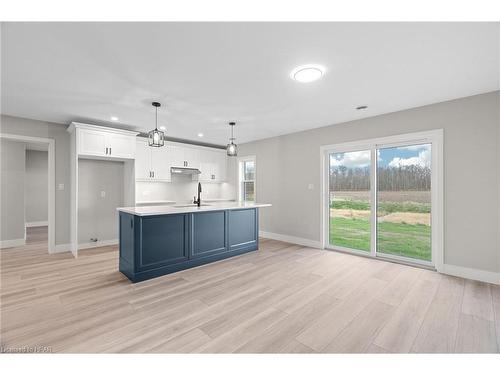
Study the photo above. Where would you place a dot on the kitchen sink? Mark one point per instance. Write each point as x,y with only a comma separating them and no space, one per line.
191,205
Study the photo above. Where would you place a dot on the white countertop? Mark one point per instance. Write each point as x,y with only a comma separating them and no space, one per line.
177,209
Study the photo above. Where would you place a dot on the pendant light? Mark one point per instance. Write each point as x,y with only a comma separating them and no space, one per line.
156,137
232,148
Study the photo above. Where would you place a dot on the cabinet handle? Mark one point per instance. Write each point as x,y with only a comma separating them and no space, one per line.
110,150
106,150
153,174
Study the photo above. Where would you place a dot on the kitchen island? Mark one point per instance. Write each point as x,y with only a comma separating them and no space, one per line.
158,240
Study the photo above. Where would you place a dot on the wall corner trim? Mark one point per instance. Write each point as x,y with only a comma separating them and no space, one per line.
291,239
472,273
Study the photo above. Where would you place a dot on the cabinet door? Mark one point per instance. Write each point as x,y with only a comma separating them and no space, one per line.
220,166
142,161
164,241
177,156
191,157
206,169
160,163
92,142
121,146
208,233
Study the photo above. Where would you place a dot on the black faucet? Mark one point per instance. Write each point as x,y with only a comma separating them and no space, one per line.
198,202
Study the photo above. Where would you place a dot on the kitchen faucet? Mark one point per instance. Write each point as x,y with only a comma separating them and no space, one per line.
198,202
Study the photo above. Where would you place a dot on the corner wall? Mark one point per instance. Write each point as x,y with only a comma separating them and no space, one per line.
288,163
12,177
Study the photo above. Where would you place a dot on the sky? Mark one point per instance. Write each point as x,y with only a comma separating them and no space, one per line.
387,157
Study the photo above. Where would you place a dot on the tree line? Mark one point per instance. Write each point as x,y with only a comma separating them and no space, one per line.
412,177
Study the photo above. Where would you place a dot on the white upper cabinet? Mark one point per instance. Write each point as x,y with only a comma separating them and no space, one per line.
184,156
103,143
152,163
142,161
92,142
161,161
213,165
121,146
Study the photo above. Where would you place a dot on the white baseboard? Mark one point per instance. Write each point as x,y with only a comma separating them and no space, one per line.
36,224
12,243
90,245
62,248
291,239
66,247
472,273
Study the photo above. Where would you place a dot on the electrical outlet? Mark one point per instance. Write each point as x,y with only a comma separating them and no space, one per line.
60,187
310,187
103,194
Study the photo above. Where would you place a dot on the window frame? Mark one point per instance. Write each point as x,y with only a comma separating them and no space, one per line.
435,138
241,180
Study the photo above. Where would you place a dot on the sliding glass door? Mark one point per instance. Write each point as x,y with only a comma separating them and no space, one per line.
379,199
349,200
404,201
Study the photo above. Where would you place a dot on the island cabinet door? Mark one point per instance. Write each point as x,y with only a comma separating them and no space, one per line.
208,231
164,241
243,229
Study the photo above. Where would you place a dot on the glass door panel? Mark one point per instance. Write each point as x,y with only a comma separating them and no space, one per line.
349,200
404,201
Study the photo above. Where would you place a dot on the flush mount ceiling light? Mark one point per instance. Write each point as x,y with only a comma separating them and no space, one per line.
307,73
232,148
162,127
200,135
156,137
114,118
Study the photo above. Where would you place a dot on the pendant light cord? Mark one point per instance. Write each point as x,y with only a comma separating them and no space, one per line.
156,125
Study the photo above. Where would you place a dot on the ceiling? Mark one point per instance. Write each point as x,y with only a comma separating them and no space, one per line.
206,74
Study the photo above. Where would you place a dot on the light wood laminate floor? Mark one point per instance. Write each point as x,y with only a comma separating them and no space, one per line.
281,299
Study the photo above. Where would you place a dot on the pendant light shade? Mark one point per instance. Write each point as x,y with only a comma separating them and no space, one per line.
232,148
156,137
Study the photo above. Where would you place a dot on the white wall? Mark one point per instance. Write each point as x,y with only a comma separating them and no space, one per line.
287,164
97,215
12,175
34,128
36,187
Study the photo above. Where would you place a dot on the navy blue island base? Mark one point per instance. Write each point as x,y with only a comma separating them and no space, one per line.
156,245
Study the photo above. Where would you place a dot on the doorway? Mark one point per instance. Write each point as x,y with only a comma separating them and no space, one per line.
383,198
33,229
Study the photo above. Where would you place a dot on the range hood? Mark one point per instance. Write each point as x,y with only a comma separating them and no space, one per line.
184,170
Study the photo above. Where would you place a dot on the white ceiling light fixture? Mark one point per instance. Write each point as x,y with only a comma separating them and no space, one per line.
232,148
307,73
114,118
162,127
200,135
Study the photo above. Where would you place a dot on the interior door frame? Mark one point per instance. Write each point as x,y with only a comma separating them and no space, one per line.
435,137
51,199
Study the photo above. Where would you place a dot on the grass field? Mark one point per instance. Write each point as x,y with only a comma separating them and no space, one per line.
399,238
393,238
